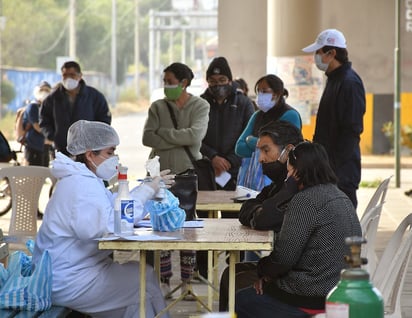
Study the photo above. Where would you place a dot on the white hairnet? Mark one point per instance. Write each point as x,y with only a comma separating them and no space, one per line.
86,135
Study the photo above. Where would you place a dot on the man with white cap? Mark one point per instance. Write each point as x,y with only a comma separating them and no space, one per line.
80,210
339,121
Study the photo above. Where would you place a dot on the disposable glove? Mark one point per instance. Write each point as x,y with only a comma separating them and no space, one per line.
167,178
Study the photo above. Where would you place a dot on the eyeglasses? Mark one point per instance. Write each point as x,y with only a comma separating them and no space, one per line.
283,157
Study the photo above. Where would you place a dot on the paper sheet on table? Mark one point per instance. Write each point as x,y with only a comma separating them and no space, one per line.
223,178
145,237
187,224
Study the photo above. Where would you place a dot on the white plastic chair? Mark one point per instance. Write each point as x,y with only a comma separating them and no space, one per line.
392,268
369,224
378,197
26,184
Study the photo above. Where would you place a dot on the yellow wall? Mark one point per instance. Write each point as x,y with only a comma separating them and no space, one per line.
367,136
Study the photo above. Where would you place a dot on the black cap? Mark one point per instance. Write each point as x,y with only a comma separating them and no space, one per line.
219,66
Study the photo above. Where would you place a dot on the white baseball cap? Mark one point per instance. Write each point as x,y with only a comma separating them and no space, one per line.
329,37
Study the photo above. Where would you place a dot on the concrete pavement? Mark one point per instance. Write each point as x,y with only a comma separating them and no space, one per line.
396,207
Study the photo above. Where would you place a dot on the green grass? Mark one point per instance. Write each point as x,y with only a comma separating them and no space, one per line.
370,184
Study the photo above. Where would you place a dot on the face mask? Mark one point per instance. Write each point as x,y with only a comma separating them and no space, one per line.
265,102
108,168
319,64
41,96
70,84
220,91
173,92
276,170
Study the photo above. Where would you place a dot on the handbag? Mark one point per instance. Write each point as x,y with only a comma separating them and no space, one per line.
203,167
185,189
250,173
27,286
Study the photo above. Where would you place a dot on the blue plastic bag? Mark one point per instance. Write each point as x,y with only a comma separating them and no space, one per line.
250,173
27,287
165,215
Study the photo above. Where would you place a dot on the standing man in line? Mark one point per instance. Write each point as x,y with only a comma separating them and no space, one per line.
230,111
71,101
339,121
36,148
229,114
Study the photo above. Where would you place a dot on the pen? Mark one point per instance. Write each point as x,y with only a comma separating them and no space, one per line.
241,197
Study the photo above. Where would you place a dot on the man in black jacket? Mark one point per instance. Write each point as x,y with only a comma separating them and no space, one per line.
339,121
229,114
266,211
71,101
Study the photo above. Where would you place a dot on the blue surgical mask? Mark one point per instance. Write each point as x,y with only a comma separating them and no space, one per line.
265,101
319,64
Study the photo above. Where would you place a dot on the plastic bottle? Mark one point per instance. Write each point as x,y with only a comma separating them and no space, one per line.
123,206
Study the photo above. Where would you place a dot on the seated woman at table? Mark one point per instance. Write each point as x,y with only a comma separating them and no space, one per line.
80,210
265,212
308,254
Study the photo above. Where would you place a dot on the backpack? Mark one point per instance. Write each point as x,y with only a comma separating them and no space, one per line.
20,130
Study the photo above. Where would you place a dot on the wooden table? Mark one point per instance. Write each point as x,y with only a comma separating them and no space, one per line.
215,201
216,235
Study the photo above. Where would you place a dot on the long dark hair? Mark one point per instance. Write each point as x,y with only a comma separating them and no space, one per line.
311,164
275,83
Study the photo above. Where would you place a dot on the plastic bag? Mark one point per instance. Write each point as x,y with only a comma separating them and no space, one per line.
250,173
27,287
166,215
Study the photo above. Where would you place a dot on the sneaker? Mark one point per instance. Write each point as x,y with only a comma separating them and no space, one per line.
408,193
165,288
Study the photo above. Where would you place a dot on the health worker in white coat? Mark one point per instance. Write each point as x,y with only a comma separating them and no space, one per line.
80,210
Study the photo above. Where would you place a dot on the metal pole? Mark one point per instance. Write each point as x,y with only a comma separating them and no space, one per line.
136,48
151,51
397,100
72,29
114,57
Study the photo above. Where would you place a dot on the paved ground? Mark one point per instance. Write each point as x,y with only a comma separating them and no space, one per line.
397,206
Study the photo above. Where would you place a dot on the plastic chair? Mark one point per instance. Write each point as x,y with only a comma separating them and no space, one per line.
26,184
392,268
378,197
369,225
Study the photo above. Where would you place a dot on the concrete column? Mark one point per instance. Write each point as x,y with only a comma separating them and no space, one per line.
242,38
292,24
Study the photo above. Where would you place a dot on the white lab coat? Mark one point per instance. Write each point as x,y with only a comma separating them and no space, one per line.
85,278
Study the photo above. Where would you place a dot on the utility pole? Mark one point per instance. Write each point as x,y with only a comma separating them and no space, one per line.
136,49
397,93
114,56
72,29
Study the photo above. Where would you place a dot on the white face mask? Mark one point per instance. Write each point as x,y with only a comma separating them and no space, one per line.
70,84
108,168
319,64
41,96
265,102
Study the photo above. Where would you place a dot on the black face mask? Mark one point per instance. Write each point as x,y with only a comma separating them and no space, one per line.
276,170
220,91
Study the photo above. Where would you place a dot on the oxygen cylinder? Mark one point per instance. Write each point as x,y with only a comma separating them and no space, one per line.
354,296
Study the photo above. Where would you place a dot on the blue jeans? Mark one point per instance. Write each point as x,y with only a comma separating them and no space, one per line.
248,304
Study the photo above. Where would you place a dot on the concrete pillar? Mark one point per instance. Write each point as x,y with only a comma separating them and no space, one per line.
291,25
242,38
